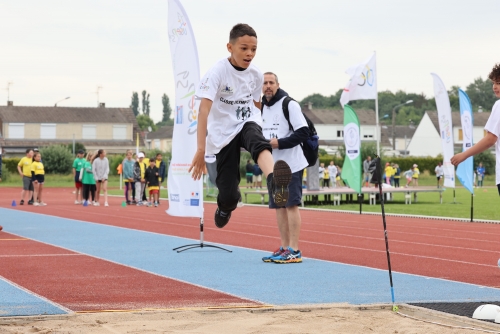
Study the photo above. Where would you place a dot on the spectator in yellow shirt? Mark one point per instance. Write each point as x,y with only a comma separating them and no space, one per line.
38,177
416,173
24,169
388,173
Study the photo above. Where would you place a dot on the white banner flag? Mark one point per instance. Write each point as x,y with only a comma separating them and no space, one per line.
445,129
363,82
185,195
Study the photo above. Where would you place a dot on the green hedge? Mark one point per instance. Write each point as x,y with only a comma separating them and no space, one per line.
424,163
10,164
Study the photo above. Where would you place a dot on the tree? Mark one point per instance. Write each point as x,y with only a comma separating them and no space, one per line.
134,104
167,111
78,146
481,94
145,103
144,121
57,159
170,122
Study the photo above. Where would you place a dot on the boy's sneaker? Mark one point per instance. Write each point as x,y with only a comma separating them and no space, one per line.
77,202
276,253
30,202
156,204
139,204
134,202
96,203
279,181
36,204
22,202
221,218
288,256
129,202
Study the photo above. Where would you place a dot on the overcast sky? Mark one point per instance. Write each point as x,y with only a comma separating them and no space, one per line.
52,49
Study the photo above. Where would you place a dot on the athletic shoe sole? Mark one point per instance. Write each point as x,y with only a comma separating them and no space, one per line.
299,260
282,176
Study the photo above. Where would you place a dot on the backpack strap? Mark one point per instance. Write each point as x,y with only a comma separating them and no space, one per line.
286,113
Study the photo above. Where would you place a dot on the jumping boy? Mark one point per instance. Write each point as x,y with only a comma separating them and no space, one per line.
230,110
152,182
492,128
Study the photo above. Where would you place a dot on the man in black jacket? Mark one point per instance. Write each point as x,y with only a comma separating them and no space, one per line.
285,137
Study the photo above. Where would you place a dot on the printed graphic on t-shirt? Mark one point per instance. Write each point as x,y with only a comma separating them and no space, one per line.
227,90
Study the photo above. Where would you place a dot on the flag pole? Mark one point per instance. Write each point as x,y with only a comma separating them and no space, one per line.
376,107
471,207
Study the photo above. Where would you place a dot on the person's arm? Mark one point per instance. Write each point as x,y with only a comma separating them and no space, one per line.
107,168
489,140
297,137
198,166
19,169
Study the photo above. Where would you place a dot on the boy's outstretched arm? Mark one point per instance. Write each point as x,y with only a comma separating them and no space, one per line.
198,166
489,140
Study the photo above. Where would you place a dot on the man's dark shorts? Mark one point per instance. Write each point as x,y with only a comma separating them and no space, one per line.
294,191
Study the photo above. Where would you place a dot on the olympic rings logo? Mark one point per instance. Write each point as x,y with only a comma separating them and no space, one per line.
367,77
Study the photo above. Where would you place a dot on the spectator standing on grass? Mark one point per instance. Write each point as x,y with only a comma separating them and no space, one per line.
439,170
416,173
38,177
100,168
128,175
480,174
146,162
162,169
388,173
151,177
139,174
397,175
77,167
88,181
492,128
366,170
257,176
288,135
409,175
321,170
326,178
249,173
332,170
304,179
337,178
24,169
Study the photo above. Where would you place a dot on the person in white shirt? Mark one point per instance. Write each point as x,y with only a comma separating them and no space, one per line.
321,170
492,128
332,170
439,170
285,137
230,111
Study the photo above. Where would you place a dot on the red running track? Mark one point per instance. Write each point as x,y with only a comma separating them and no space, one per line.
85,283
465,252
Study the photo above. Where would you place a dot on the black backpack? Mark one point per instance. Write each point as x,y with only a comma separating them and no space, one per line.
309,146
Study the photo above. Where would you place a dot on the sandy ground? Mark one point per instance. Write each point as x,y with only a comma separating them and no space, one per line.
314,319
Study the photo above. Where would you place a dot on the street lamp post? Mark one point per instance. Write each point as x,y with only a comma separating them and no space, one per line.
394,122
55,105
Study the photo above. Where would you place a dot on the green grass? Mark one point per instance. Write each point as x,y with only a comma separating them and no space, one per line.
486,199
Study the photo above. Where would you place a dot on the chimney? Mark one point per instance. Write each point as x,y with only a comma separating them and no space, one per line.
10,103
102,105
309,105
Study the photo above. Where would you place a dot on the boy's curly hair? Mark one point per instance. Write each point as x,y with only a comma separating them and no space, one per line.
495,73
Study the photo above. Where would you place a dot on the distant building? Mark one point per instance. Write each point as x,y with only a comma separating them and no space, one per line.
161,139
112,129
427,141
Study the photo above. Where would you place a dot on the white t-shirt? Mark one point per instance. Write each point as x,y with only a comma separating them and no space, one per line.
232,93
493,126
439,171
275,125
321,172
332,170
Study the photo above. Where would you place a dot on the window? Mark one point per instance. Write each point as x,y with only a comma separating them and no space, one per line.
340,133
368,136
47,131
157,144
16,130
460,135
88,132
119,132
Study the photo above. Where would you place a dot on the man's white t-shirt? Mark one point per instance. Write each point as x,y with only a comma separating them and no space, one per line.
332,170
493,126
275,125
439,171
232,93
321,172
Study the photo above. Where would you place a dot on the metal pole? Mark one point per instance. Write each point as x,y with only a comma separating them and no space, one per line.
471,207
393,126
376,109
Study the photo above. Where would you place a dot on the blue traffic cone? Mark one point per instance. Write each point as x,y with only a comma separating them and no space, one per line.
14,203
86,203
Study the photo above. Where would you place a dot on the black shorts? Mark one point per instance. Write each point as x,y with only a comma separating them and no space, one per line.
294,192
39,178
101,181
438,177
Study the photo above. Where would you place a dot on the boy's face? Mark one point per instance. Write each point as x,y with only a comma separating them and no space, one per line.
80,155
151,163
243,50
158,157
496,87
270,86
